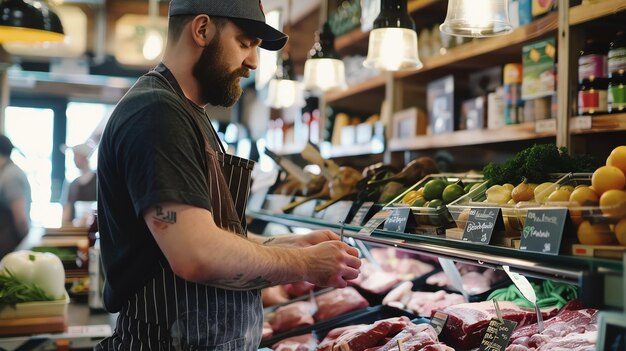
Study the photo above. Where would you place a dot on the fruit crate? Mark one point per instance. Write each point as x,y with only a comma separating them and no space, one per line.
436,216
513,214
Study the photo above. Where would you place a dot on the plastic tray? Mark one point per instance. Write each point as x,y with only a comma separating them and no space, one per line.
36,309
440,216
364,316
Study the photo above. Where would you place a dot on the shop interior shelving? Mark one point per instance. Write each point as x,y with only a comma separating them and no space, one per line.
595,9
603,124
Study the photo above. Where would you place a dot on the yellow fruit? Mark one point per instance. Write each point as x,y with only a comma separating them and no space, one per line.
595,234
523,192
461,221
608,178
613,203
410,197
620,232
498,194
420,191
543,190
584,196
509,186
559,195
617,158
568,188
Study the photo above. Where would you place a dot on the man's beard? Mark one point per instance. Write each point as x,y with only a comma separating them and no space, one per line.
217,86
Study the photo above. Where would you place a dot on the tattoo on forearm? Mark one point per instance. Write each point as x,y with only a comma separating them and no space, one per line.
238,282
162,219
268,241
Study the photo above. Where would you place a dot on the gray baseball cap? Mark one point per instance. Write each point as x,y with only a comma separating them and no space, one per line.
246,14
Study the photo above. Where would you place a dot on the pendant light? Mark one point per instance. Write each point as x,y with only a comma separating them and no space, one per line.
393,41
477,18
28,22
284,90
153,43
324,70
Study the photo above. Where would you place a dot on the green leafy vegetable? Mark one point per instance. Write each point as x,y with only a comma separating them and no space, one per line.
536,163
13,291
549,294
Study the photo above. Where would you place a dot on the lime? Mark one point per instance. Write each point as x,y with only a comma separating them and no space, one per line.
435,203
434,188
419,201
451,193
467,188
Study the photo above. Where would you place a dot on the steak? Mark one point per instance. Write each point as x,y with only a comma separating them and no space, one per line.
291,316
467,322
296,343
416,337
337,302
420,302
361,338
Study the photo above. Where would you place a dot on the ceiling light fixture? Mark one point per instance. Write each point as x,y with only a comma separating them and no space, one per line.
28,22
153,43
393,41
477,18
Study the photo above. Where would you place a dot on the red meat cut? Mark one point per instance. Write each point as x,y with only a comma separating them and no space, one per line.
414,337
291,316
362,338
467,322
296,343
337,302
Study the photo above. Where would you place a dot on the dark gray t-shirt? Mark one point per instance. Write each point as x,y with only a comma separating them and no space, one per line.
13,185
150,152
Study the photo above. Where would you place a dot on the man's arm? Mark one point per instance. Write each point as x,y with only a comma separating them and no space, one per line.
294,240
199,251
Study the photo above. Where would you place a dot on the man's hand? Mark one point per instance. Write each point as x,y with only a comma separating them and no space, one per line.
331,264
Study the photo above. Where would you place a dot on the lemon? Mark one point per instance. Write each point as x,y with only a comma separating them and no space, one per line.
608,178
595,234
613,203
410,197
451,193
509,186
434,189
584,196
559,195
617,158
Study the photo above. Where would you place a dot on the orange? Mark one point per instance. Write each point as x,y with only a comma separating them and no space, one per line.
620,232
584,196
559,195
617,158
613,203
608,178
595,234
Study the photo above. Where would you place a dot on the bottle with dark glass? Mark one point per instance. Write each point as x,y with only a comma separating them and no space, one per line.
592,62
617,54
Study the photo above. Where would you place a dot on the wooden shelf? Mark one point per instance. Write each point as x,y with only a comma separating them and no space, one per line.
370,84
604,124
598,8
336,151
482,52
518,132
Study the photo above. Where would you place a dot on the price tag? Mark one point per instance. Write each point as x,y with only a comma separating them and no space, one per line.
545,126
498,334
362,213
375,222
438,321
400,220
543,230
482,223
581,122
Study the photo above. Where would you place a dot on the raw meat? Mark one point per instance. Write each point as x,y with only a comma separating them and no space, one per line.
267,331
331,337
291,316
393,261
467,322
473,282
362,338
568,330
414,338
297,343
338,302
422,303
298,289
379,282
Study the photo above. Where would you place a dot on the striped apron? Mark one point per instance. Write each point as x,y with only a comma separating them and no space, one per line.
170,313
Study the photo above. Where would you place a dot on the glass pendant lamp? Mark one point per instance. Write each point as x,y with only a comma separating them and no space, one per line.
285,92
324,70
393,41
477,18
28,22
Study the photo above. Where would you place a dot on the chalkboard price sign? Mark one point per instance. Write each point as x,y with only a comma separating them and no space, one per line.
482,223
543,230
375,222
400,220
360,215
497,335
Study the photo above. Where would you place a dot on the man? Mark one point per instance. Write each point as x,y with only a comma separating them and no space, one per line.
14,200
179,267
82,188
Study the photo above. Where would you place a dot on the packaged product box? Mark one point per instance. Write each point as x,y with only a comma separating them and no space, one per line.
538,60
474,114
495,109
441,105
541,7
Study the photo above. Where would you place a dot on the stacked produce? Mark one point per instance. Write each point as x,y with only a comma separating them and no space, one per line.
549,294
27,276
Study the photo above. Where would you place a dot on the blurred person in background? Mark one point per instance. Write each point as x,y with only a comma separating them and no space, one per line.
14,200
83,188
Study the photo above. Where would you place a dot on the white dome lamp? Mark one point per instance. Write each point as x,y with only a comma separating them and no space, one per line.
477,18
324,70
284,91
393,41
